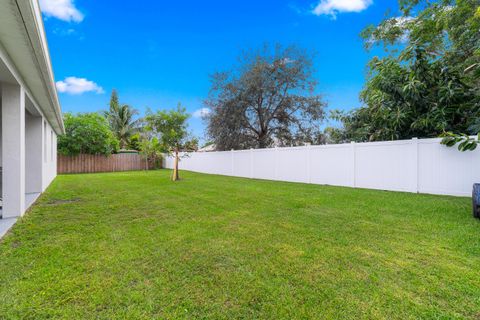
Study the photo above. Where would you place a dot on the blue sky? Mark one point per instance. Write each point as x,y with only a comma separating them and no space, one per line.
157,53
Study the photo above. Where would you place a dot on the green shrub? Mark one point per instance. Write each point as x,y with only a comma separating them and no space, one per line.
87,133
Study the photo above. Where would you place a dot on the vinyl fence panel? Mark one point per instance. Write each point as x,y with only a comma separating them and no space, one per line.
332,165
242,163
292,164
417,165
385,165
262,164
446,171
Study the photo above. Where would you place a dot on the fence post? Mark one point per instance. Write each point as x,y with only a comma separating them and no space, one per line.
414,187
354,163
251,163
232,155
275,164
309,164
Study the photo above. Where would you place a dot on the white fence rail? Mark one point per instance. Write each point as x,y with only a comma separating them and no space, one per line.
417,165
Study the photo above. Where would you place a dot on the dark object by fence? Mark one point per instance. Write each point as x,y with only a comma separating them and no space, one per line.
476,200
86,163
128,151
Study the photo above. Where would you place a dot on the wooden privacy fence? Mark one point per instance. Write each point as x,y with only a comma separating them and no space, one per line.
86,163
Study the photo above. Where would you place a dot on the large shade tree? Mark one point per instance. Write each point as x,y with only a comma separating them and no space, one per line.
121,118
268,99
428,82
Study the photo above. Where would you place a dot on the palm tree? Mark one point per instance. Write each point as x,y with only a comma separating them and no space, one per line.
121,119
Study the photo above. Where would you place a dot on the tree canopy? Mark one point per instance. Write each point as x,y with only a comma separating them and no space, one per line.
428,82
171,129
121,120
87,133
266,100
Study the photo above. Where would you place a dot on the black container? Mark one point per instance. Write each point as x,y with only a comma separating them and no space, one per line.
476,200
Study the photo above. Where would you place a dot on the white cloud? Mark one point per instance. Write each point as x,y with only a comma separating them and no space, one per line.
64,32
333,7
202,113
74,85
61,9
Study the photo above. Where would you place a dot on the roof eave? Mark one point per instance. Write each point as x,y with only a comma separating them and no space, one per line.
33,22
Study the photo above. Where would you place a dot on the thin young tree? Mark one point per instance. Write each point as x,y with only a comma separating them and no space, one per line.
151,149
172,131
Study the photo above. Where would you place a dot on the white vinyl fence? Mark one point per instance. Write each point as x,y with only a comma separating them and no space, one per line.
417,165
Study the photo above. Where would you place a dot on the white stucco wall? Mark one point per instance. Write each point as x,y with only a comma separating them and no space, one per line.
40,153
33,154
28,147
31,115
50,155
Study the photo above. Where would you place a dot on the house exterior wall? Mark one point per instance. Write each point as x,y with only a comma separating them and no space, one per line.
13,155
49,160
34,151
40,154
30,112
28,146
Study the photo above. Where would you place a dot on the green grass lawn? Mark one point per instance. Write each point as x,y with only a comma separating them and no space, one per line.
137,246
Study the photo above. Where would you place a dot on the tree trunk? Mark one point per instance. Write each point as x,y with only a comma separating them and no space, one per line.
262,140
175,175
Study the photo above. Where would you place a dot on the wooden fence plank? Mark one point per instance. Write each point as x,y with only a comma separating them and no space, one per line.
86,163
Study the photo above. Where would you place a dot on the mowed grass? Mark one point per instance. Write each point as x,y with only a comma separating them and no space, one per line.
137,246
